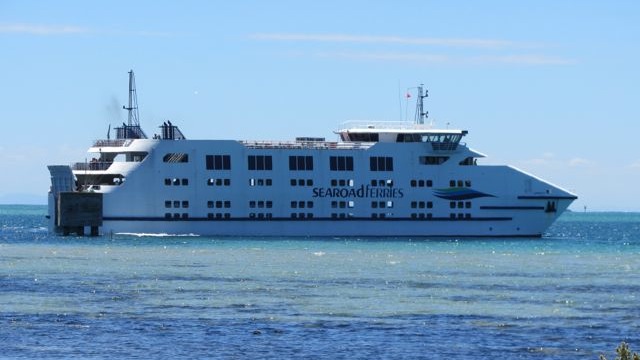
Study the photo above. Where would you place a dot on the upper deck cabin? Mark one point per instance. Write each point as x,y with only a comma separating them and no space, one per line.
400,132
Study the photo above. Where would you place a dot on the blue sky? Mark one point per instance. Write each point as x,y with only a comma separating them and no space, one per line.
550,87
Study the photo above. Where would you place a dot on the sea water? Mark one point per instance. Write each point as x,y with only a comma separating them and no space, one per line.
575,293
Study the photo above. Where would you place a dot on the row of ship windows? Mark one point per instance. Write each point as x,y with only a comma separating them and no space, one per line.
296,163
309,182
460,204
309,204
300,215
301,182
305,163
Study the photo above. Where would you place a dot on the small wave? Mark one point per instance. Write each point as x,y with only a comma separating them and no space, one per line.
157,235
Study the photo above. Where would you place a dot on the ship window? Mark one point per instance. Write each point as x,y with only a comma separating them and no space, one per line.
309,182
252,204
300,162
260,162
185,204
310,204
167,204
269,204
227,182
334,204
300,182
432,160
429,183
429,205
467,183
414,204
421,183
293,182
460,183
294,204
421,204
381,163
176,204
374,204
467,204
167,181
218,204
341,163
452,183
452,204
218,162
334,182
176,182
468,161
460,204
413,183
389,204
409,138
227,204
176,158
185,215
185,181
443,141
351,204
210,204
364,137
167,215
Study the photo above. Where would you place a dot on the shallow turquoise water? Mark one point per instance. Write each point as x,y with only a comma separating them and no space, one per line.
573,293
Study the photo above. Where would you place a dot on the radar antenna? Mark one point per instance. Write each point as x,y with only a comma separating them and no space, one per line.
421,115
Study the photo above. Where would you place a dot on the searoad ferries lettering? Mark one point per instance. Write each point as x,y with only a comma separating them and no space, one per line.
360,192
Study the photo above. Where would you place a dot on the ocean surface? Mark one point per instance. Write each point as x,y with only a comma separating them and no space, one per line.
575,293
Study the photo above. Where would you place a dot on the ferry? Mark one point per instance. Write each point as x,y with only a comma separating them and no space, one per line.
387,179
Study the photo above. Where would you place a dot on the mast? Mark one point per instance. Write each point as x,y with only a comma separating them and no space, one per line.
133,102
132,129
421,115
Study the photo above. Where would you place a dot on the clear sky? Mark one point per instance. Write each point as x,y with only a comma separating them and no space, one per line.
551,87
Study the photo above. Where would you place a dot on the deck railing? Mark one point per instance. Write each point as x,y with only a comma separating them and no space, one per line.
317,145
112,143
92,165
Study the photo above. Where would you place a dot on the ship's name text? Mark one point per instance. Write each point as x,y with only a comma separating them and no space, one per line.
361,192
